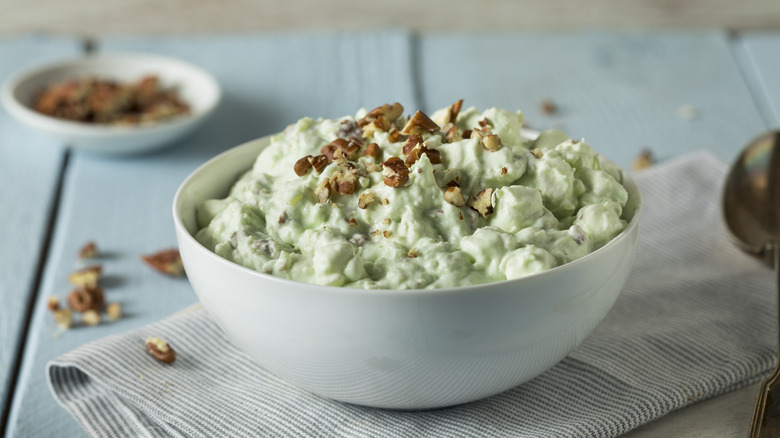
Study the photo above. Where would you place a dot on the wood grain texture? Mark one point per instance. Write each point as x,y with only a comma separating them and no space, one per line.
762,66
125,204
622,92
93,17
29,168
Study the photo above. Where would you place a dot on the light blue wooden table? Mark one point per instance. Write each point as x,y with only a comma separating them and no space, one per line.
621,91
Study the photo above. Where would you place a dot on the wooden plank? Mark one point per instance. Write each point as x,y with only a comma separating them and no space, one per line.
29,169
621,92
125,204
759,54
196,16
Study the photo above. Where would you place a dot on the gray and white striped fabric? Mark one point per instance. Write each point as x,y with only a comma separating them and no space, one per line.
695,320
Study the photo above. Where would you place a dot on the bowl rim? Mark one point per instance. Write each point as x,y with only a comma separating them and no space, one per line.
23,111
630,228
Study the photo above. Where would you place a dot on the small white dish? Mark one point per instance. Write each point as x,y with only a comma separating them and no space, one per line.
194,85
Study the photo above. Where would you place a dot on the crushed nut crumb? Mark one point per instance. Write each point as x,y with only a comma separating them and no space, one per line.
114,311
63,318
91,317
643,161
365,200
482,203
88,276
88,251
53,303
454,196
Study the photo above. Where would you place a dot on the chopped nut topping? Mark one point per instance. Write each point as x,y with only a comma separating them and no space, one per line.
536,153
380,124
323,190
389,112
466,133
91,317
114,311
160,349
394,136
319,162
548,107
365,200
485,123
302,166
395,171
88,276
387,233
349,128
88,251
63,318
86,298
460,215
452,135
345,179
504,171
643,161
453,183
387,221
412,253
419,123
455,110
475,133
328,150
482,203
411,143
373,150
53,303
352,222
166,261
433,155
492,142
454,196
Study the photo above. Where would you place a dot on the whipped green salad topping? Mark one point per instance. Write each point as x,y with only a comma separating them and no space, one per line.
383,201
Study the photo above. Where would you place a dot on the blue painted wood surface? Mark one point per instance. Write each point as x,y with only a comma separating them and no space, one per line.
622,92
125,204
762,66
29,169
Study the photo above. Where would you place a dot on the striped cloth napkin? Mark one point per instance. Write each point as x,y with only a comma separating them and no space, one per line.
695,320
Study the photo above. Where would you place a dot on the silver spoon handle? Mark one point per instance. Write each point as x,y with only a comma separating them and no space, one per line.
766,416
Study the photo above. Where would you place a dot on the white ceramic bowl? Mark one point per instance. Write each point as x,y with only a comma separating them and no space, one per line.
196,87
401,349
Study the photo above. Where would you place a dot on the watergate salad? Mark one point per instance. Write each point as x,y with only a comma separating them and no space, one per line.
386,201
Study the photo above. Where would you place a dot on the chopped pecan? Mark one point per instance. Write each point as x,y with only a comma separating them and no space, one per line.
88,276
411,143
491,142
352,222
53,303
395,171
319,162
485,123
160,350
548,107
328,150
349,128
380,124
373,150
86,298
455,110
482,203
504,171
389,112
419,123
412,253
365,200
302,166
466,133
387,233
643,161
454,196
394,136
88,251
166,261
536,153
323,190
452,134
433,155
